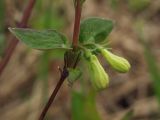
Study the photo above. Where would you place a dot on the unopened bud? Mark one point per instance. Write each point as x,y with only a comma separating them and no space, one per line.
118,63
99,77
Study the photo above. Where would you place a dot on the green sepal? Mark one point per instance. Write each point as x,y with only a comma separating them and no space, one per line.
74,74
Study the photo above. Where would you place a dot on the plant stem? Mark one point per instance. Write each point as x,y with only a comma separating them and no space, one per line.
13,43
64,75
78,10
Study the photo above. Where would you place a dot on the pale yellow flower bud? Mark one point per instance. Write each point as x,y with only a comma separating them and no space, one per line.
118,63
99,77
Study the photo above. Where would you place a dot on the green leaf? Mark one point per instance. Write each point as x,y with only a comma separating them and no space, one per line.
41,39
95,30
74,74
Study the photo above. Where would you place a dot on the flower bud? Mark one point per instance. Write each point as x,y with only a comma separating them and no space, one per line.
99,77
118,63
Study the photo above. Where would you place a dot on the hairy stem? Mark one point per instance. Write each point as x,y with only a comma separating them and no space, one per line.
13,43
78,10
64,75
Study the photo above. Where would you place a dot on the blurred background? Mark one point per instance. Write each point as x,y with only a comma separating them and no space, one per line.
31,75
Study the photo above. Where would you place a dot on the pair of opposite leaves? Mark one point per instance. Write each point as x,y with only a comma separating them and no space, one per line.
93,31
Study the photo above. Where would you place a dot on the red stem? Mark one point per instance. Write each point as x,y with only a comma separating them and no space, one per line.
64,75
13,43
78,10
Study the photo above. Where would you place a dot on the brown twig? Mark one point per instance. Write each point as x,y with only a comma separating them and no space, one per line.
78,10
64,73
13,43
